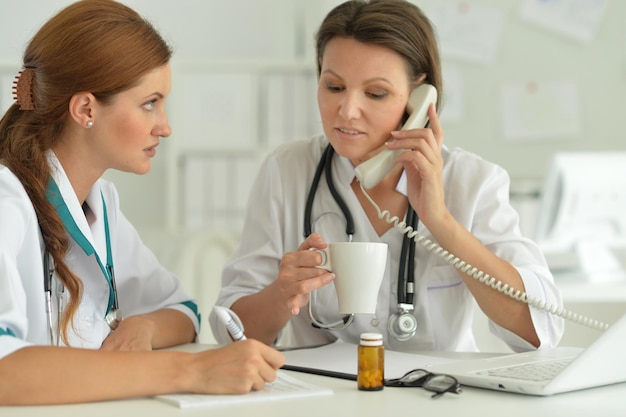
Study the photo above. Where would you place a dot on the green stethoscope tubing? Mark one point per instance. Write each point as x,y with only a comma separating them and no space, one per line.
53,194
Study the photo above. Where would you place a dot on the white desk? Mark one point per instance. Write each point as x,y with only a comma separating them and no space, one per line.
348,401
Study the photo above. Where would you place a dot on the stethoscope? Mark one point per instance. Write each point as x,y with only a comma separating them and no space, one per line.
113,315
402,325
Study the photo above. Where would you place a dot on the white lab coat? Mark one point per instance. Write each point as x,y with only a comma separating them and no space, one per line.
477,195
143,285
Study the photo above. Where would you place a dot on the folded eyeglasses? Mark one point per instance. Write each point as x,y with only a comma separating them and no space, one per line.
421,378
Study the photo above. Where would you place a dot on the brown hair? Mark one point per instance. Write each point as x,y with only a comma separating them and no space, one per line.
97,46
395,24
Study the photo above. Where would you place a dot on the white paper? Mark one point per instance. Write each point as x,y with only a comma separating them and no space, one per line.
284,387
577,19
468,32
541,110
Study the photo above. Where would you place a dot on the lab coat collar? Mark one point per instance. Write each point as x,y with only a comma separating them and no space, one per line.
94,200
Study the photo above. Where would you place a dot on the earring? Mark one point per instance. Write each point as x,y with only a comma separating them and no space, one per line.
89,123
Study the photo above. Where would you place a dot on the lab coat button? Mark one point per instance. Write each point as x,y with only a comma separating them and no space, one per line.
375,322
88,320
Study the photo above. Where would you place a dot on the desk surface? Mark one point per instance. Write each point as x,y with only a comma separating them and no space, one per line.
347,400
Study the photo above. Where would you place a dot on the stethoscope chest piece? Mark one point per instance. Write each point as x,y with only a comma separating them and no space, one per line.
114,318
402,325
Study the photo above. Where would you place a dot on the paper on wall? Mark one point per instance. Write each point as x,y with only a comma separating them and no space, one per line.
467,31
577,19
540,110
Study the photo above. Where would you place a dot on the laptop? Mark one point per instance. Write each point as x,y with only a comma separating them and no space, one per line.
549,371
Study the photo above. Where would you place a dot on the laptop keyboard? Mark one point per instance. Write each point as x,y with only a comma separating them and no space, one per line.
530,371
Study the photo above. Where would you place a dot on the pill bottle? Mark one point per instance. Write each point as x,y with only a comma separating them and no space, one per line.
371,362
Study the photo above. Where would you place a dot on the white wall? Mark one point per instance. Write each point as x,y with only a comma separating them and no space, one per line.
280,31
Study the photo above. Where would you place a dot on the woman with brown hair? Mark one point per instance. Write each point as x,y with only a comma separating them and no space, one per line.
371,55
83,300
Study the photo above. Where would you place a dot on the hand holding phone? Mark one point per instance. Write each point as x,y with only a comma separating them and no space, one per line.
372,171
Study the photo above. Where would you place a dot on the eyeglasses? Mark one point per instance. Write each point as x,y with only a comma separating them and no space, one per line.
437,383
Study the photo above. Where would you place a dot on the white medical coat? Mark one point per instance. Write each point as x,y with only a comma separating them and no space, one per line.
143,285
477,195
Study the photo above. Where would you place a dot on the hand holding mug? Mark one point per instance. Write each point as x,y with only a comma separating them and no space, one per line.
359,268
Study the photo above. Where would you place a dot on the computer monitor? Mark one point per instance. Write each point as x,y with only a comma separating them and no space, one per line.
581,225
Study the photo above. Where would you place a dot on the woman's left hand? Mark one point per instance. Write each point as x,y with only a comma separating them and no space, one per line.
133,333
158,329
423,165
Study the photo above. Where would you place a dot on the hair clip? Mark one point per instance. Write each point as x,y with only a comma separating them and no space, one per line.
22,89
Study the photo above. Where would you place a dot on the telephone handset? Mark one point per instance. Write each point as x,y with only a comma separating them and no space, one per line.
372,171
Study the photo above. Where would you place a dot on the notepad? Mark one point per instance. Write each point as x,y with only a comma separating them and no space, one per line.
284,387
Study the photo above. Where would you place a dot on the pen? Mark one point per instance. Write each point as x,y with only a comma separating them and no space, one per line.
236,333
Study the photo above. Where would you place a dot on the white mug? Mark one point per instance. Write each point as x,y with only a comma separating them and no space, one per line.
359,268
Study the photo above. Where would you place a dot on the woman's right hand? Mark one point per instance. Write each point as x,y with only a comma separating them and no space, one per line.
237,368
299,275
286,295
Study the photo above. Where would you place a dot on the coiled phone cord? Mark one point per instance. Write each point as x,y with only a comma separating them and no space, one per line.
483,277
